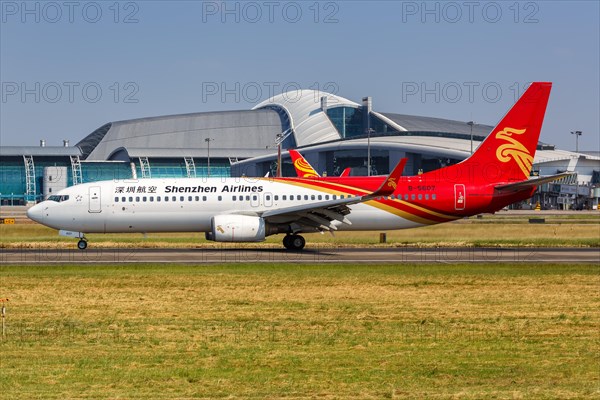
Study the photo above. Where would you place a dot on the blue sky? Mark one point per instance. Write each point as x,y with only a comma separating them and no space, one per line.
67,69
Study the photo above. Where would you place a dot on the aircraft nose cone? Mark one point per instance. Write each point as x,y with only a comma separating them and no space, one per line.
35,213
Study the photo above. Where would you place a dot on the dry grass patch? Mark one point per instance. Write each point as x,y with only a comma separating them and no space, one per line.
296,331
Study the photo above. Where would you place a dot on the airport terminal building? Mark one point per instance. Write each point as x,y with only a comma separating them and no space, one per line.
332,132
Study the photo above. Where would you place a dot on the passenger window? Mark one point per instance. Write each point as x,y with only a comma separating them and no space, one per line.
320,197
220,198
341,196
131,199
267,197
116,199
137,199
326,197
420,196
412,196
203,198
254,198
305,197
233,198
426,197
197,198
433,197
157,198
334,197
166,198
189,198
151,198
123,199
247,198
406,197
284,197
144,199
181,198
276,197
312,196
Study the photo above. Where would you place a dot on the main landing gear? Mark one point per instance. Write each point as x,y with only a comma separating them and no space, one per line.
294,242
82,244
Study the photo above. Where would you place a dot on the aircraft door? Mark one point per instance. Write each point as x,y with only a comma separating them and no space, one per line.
95,205
460,197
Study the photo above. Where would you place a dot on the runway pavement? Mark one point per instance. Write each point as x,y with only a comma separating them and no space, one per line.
309,255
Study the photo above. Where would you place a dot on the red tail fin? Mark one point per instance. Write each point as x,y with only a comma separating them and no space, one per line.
303,168
506,155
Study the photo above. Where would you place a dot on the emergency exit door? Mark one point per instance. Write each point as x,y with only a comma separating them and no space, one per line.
460,197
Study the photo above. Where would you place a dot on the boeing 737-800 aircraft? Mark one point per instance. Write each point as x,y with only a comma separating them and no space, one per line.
249,209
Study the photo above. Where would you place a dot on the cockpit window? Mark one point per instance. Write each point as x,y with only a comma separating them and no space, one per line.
58,198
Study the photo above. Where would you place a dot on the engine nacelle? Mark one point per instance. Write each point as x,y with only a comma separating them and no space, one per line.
237,228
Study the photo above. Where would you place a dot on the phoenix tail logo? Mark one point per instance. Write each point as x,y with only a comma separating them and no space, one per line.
304,167
392,183
514,150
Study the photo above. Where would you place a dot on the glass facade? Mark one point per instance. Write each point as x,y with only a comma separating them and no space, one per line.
357,160
347,120
351,122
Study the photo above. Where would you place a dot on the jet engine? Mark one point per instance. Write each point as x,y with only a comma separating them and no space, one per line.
237,228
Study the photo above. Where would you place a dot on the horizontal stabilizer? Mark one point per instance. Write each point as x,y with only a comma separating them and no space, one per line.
530,183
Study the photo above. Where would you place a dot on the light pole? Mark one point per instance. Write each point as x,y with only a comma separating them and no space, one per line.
577,134
279,137
208,140
368,152
471,123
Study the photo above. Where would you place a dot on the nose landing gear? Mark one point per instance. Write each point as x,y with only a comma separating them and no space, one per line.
82,244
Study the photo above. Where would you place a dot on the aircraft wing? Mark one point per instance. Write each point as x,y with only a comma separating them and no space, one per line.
316,215
321,215
531,183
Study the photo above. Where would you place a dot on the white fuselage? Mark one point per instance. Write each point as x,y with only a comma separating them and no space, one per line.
188,205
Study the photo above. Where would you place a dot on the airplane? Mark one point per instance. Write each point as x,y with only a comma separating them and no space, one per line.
249,209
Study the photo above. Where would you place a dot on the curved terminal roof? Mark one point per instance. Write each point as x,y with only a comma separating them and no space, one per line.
310,124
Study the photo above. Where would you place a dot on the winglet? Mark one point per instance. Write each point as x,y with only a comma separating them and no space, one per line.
303,168
389,185
346,172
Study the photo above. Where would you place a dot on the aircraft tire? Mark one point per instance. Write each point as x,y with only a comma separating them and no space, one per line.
296,242
82,244
286,242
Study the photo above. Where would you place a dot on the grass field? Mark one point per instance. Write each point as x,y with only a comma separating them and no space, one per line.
491,230
301,331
